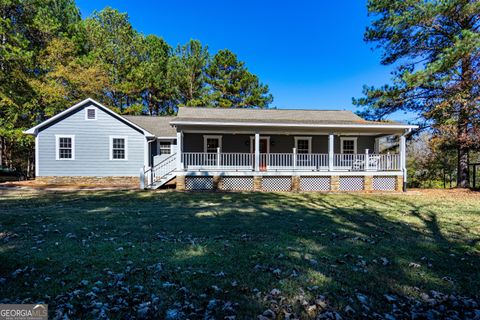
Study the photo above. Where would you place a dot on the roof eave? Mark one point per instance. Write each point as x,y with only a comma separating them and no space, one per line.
305,125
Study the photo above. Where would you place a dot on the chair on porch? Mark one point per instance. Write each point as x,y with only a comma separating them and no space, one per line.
359,163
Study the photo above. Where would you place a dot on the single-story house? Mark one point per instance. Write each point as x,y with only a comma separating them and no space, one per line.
221,149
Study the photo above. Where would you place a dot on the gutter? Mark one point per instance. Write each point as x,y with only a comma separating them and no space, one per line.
263,124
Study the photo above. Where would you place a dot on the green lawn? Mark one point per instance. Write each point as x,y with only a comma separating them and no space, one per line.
174,255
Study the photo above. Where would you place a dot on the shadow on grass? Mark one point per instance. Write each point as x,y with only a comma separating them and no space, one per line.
228,246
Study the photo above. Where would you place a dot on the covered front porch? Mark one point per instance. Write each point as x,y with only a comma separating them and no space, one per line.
275,153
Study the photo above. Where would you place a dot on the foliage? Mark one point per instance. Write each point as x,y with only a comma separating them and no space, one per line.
435,48
50,59
233,85
429,162
187,69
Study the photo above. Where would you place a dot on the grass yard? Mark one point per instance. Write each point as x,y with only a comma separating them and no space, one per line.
129,254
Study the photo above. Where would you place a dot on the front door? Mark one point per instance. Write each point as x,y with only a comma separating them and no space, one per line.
264,151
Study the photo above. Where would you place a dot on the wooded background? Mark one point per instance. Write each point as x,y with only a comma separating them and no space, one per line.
51,58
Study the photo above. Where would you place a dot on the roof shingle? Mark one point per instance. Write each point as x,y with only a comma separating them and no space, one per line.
159,126
292,116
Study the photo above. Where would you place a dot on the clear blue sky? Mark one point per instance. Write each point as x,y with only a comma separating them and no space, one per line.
310,53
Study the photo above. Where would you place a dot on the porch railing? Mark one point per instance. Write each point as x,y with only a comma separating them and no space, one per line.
290,162
221,161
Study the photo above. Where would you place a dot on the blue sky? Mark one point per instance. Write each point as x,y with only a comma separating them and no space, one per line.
310,53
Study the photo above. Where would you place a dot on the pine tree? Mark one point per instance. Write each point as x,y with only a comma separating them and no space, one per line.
435,47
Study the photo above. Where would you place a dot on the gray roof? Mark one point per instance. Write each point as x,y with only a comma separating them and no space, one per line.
294,116
159,126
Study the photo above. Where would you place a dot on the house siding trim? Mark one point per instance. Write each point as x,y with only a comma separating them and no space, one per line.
209,136
125,139
303,138
57,146
355,144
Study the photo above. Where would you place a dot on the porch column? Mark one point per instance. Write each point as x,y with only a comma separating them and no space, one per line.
179,150
403,160
330,151
257,151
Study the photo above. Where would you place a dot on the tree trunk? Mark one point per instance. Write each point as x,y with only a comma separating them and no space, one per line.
462,151
462,175
463,141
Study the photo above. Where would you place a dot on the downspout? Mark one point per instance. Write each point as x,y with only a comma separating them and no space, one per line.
150,160
404,159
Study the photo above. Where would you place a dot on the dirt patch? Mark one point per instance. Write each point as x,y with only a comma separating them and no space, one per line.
34,184
445,193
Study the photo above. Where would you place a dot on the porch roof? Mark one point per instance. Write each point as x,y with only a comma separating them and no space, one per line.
188,116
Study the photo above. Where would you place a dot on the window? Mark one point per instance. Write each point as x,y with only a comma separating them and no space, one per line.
118,148
348,145
164,147
90,114
303,145
65,147
211,143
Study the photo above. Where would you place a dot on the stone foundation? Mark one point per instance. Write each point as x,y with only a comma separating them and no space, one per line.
368,183
129,182
399,184
334,183
180,183
257,183
295,183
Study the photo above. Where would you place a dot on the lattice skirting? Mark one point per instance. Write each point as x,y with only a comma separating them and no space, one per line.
237,183
384,183
198,183
315,183
351,183
285,183
276,183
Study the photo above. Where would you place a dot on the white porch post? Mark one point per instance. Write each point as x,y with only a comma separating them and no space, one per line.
403,160
366,159
294,159
330,151
257,151
179,150
218,157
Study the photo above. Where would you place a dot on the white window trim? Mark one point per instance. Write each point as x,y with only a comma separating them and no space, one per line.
304,138
169,141
252,143
57,146
111,147
205,137
354,139
86,113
